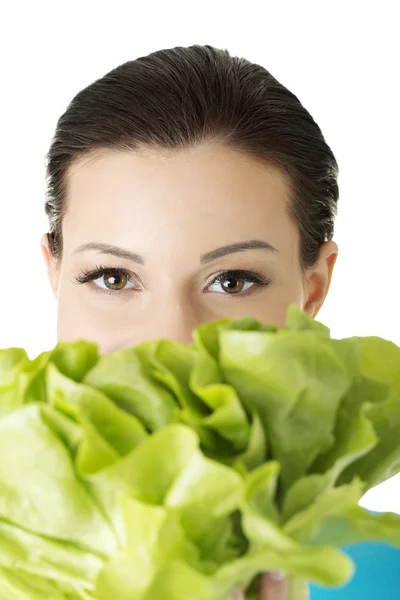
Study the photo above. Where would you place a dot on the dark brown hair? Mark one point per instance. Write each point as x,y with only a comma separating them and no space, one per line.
180,97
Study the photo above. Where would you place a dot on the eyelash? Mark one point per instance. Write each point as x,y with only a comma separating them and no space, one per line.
91,275
249,276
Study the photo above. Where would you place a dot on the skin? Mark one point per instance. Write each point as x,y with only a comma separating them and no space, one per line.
172,209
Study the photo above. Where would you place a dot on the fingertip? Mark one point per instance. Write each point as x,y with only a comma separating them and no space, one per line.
277,576
237,595
274,586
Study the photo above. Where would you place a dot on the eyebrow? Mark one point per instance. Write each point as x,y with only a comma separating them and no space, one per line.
204,258
113,250
238,247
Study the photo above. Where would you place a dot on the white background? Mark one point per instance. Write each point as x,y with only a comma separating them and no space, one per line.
340,58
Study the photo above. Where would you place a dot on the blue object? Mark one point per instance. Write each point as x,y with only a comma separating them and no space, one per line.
377,575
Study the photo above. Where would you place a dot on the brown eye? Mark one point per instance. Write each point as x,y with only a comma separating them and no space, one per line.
115,281
109,280
233,285
237,282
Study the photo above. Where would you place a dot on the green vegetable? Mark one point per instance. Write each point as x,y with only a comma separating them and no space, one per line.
169,471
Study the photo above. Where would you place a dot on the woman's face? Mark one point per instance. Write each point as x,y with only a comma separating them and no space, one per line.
169,235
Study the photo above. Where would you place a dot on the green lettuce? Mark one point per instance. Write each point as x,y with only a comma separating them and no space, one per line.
169,471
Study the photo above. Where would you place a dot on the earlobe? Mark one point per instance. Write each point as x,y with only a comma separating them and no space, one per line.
51,266
319,278
315,296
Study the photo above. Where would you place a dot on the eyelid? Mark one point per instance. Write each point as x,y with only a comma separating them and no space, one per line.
248,274
259,281
91,275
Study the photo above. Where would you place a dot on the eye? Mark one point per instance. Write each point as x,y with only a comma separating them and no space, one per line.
237,282
108,279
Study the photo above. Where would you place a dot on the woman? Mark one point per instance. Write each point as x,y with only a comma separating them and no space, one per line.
182,187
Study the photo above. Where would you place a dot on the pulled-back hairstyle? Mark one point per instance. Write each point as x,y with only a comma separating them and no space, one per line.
176,98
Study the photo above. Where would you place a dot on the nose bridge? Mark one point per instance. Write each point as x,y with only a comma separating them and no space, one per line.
173,326
172,318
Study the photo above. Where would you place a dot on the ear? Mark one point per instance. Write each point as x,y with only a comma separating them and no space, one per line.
318,278
53,270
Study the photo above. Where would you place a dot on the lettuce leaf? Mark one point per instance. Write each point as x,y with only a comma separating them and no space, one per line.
173,471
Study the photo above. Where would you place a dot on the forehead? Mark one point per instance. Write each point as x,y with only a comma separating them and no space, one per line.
208,190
